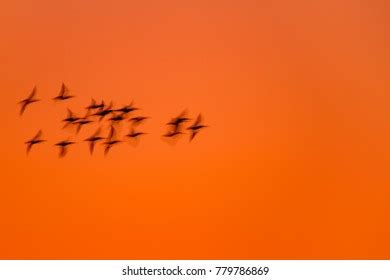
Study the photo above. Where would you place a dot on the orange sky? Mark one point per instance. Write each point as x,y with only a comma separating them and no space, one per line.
294,164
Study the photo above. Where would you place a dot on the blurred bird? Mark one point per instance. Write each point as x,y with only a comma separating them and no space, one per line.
127,109
63,94
117,118
70,119
172,134
94,105
81,122
111,140
135,134
138,120
30,99
104,112
176,122
34,141
196,127
63,145
93,139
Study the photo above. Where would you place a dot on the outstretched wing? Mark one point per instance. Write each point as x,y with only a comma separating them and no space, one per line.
33,93
63,151
198,120
38,135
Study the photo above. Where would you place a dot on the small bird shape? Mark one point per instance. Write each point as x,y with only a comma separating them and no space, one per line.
104,112
135,134
70,119
93,139
128,108
34,141
29,100
173,133
111,140
182,118
196,127
63,145
117,118
94,105
81,122
63,94
138,120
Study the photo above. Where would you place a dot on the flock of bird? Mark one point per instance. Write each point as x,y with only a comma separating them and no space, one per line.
97,112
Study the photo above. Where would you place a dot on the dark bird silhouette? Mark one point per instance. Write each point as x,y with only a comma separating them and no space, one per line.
176,122
30,99
135,134
70,119
196,127
63,145
81,122
173,133
93,139
104,112
138,120
111,140
34,141
63,94
127,109
94,105
117,118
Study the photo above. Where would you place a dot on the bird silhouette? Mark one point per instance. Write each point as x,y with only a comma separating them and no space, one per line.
81,122
94,105
111,140
135,134
30,99
180,119
34,141
93,139
171,134
63,145
117,118
104,112
196,127
63,94
70,119
138,120
127,109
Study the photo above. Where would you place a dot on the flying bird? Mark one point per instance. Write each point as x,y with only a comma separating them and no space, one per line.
138,120
127,109
104,111
93,139
135,134
171,134
30,99
94,105
111,140
63,94
63,145
82,121
176,122
34,141
117,118
70,119
196,127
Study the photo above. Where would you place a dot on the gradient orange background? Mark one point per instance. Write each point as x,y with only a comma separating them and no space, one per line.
295,164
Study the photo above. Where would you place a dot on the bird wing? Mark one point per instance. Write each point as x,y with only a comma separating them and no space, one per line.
38,135
198,120
62,151
112,133
91,147
23,107
33,93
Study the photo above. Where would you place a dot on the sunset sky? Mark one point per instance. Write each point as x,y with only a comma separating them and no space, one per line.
295,161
